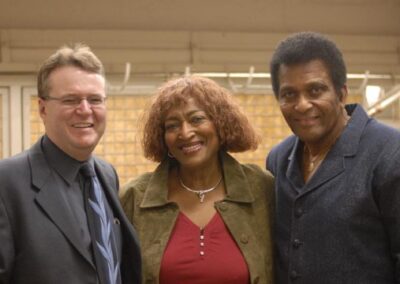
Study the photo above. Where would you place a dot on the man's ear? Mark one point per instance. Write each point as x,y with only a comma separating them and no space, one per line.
42,107
343,94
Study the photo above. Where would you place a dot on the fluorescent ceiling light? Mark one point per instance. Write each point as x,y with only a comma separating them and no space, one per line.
268,75
372,94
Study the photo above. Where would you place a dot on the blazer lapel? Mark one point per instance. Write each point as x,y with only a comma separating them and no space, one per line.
293,172
130,262
332,166
106,177
50,200
345,147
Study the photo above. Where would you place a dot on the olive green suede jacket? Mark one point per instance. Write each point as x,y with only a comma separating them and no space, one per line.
246,210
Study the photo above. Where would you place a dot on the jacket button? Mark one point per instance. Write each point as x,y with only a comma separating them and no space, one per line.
298,212
256,280
294,274
223,206
150,280
244,239
296,243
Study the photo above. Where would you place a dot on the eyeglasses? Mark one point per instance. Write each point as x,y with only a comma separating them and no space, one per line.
75,101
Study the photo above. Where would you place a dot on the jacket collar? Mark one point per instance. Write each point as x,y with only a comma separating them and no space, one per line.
236,182
349,141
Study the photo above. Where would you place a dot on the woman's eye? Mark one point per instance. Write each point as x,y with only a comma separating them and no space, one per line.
197,119
171,126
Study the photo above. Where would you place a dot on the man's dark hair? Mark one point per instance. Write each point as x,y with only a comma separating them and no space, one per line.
304,47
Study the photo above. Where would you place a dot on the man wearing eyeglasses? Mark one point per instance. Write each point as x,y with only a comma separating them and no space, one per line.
60,218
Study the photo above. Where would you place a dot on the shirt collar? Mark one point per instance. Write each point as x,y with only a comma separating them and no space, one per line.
66,166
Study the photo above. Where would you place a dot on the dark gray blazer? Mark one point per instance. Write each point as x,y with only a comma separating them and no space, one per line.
39,243
343,226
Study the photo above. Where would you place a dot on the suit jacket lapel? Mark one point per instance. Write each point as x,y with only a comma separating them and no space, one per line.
332,166
131,264
50,200
293,171
345,147
106,177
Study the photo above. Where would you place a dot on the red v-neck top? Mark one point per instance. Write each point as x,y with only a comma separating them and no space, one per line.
208,256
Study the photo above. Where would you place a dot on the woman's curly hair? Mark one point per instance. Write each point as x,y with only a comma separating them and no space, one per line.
234,130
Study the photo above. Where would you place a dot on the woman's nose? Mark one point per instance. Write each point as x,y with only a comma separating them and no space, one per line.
186,130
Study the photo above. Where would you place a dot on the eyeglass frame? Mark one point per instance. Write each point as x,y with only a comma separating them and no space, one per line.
76,100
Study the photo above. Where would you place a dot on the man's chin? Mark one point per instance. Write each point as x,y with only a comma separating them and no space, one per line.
308,137
86,145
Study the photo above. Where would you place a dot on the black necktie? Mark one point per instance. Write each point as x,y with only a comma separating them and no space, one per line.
100,227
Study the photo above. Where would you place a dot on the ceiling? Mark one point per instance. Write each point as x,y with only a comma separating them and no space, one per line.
165,36
361,17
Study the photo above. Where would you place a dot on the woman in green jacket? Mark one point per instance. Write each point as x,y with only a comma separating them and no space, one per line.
202,217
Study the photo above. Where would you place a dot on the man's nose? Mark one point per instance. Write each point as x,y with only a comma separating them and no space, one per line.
303,104
84,106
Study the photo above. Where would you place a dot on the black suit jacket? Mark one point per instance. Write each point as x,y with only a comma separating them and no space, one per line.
39,242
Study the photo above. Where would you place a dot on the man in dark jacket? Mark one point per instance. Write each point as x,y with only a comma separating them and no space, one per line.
337,178
60,217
